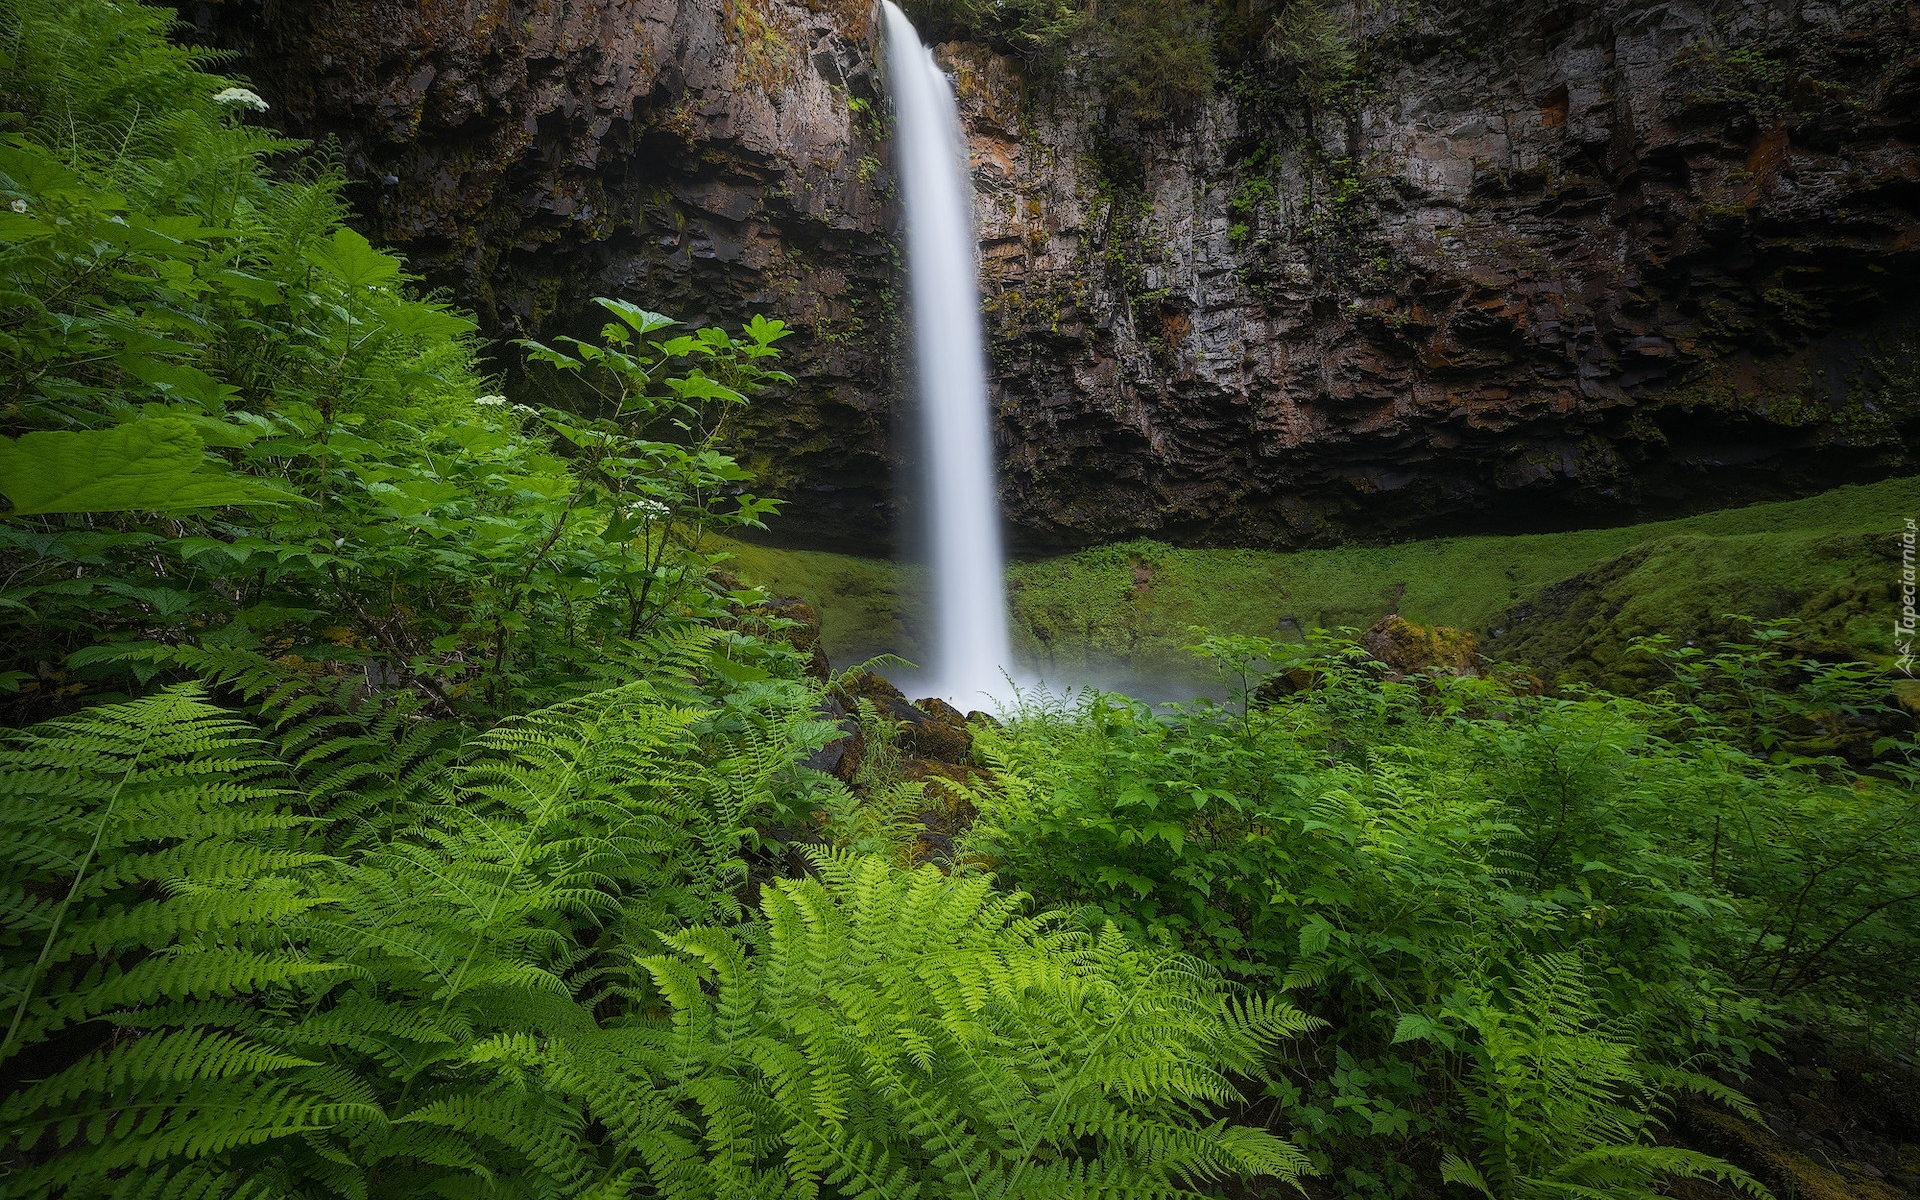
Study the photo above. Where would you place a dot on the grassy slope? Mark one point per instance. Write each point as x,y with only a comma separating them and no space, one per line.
1578,596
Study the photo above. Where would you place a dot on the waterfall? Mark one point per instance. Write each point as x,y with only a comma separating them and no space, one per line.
970,647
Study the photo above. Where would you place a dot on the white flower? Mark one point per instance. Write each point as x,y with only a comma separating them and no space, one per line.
240,96
18,206
490,401
116,219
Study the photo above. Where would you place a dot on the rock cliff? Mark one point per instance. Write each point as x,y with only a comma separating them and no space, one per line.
1537,265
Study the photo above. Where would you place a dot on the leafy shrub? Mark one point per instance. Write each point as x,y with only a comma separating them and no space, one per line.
193,336
1386,848
1037,30
1153,59
893,1031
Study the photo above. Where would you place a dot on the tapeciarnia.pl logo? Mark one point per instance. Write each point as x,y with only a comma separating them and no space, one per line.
1903,623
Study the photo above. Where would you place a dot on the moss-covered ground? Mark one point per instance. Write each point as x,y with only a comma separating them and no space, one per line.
1566,603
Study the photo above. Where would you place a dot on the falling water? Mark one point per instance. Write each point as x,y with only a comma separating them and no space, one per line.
970,645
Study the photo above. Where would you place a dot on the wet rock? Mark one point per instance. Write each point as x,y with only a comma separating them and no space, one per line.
946,809
941,734
1410,649
797,624
1582,274
1292,681
929,729
867,685
840,758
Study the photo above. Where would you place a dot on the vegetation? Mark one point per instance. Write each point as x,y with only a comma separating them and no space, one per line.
1569,604
183,328
395,801
392,762
1526,923
1152,61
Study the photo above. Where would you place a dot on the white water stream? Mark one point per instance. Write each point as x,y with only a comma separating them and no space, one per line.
970,648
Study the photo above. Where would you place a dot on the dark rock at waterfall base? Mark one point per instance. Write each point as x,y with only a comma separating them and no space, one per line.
840,758
928,729
1289,682
942,736
946,807
864,684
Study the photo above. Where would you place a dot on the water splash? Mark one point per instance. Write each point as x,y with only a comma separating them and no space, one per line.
971,650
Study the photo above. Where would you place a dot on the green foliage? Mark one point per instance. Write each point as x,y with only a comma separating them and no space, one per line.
1154,58
1288,59
440,841
242,988
666,490
1036,30
1125,609
890,1032
1398,852
1155,62
192,334
141,466
1559,1108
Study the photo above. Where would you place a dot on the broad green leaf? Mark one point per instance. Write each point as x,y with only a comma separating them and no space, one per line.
698,387
22,227
678,347
33,170
353,260
765,332
149,465
737,673
178,379
643,322
260,291
547,354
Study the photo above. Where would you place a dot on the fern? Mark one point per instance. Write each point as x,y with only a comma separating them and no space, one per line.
359,755
1559,1108
905,1034
99,808
96,804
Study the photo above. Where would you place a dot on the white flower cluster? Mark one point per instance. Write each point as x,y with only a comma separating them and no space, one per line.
490,401
242,97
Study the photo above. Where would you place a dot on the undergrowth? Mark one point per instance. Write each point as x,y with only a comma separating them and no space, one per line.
1566,603
1528,923
396,802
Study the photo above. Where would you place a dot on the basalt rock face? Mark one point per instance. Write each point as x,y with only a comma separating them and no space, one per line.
709,160
1545,264
1561,264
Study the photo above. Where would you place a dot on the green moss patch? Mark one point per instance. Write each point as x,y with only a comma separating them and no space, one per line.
1565,602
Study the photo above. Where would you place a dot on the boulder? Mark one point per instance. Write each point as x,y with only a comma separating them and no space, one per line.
930,729
840,758
796,623
1409,649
